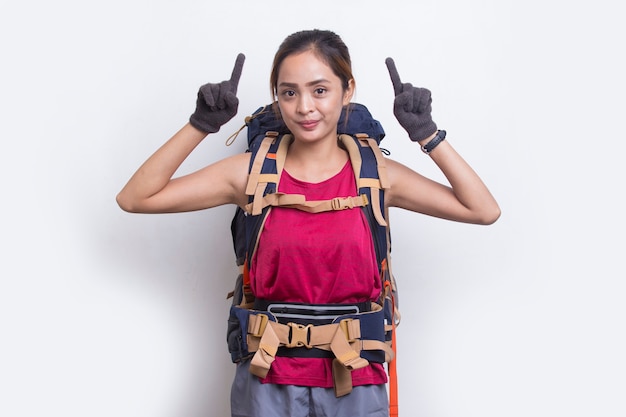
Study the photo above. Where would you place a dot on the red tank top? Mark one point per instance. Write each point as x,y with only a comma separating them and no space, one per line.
316,258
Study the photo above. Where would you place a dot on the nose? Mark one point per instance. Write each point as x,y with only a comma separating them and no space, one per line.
305,104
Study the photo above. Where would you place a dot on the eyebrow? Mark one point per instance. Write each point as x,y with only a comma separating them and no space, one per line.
310,83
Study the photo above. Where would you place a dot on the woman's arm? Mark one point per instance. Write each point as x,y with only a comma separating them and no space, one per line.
467,199
152,190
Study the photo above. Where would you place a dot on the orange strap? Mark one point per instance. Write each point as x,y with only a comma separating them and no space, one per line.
393,373
393,377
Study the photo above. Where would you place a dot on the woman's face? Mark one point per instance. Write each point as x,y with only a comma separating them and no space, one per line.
310,97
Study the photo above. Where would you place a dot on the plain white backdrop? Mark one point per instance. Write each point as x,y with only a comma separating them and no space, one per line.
106,313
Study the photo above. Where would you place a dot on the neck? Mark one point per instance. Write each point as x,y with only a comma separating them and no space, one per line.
315,161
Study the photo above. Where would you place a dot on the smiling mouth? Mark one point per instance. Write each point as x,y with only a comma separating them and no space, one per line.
308,124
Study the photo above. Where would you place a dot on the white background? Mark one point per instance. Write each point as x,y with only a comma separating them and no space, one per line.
104,313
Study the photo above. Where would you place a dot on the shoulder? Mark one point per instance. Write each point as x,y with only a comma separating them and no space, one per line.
396,170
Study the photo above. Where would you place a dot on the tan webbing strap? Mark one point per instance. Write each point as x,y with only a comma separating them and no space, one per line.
297,201
340,338
378,215
342,379
347,358
281,155
334,204
267,178
255,186
374,184
380,163
266,353
344,353
258,197
369,183
277,199
383,180
355,156
257,182
378,345
257,164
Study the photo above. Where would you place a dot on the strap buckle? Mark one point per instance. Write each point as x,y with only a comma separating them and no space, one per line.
299,335
349,330
256,327
339,203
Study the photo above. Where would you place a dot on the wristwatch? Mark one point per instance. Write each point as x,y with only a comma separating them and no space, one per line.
439,137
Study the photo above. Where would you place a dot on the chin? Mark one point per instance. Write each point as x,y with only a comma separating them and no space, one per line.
312,135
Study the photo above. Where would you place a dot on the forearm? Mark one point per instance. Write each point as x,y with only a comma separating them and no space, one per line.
156,172
466,185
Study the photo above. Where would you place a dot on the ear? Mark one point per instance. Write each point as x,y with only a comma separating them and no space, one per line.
348,93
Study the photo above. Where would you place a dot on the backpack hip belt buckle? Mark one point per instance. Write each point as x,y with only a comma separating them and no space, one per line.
299,335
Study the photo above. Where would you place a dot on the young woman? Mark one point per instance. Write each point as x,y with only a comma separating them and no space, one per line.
311,81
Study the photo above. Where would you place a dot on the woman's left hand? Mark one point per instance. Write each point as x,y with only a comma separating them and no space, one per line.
412,106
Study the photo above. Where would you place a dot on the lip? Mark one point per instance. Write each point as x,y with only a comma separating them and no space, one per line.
309,124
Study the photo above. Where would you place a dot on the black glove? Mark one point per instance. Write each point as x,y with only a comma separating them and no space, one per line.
412,106
217,103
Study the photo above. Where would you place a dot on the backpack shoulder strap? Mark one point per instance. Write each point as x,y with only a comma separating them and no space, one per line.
371,174
267,163
266,166
370,171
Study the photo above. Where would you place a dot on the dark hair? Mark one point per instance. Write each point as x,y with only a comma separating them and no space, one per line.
326,45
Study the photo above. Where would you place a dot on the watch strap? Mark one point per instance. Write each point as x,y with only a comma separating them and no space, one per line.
432,144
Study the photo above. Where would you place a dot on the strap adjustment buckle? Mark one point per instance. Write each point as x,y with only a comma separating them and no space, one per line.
343,203
351,333
256,327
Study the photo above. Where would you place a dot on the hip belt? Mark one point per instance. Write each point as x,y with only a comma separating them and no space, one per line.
307,314
353,337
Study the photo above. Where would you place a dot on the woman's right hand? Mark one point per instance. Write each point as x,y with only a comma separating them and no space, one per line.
217,103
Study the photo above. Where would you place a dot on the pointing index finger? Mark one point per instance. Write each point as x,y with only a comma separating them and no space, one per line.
395,77
236,74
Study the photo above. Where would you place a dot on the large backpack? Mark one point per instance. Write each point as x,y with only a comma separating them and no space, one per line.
268,139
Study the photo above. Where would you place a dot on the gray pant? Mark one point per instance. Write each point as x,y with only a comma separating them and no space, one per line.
250,398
